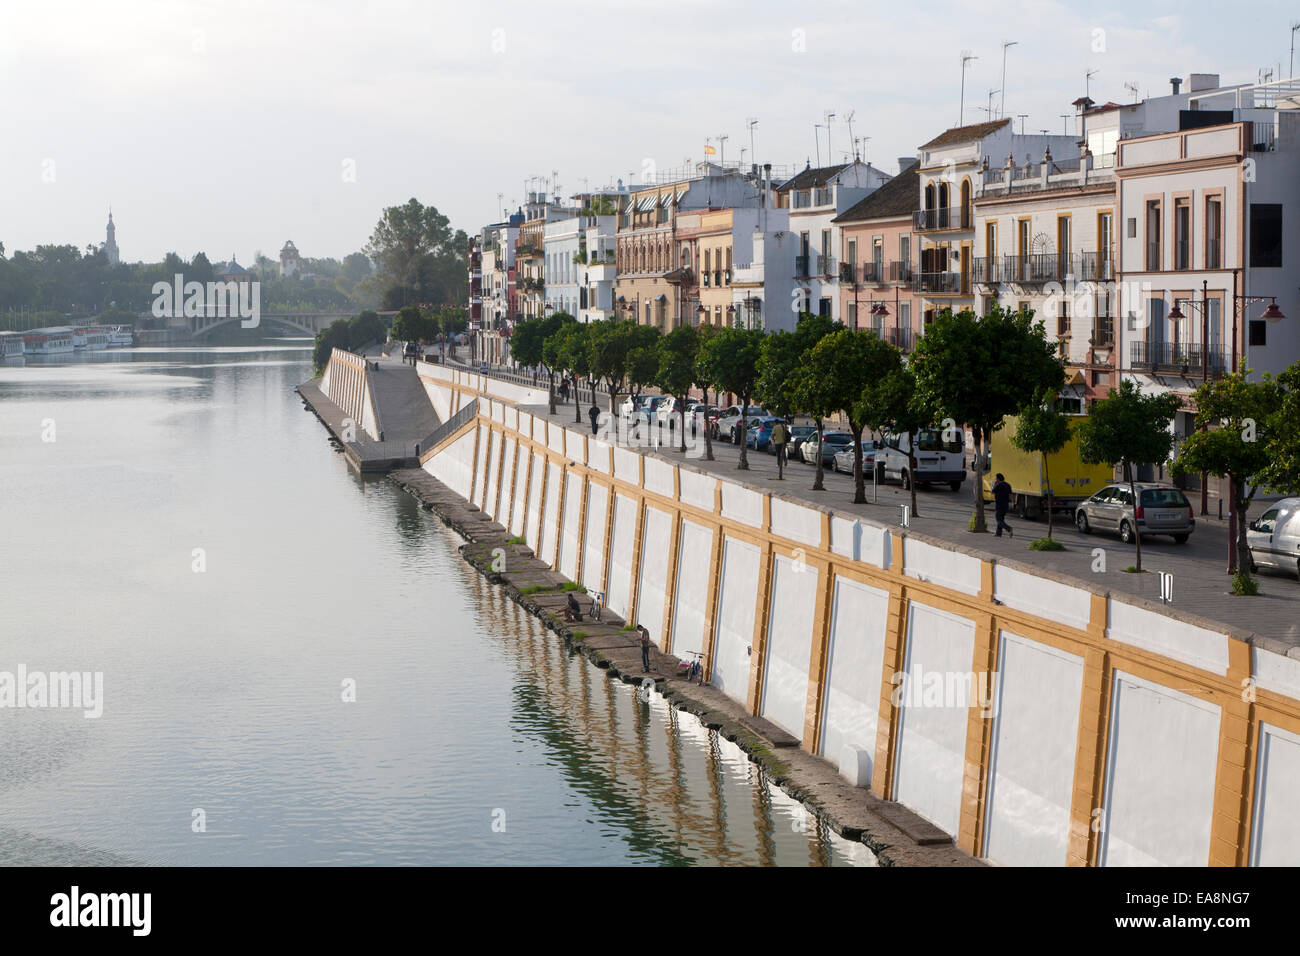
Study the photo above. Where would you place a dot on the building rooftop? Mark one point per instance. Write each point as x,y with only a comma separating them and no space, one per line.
964,134
812,177
895,199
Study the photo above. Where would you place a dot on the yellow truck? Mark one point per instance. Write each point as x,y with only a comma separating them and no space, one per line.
1071,479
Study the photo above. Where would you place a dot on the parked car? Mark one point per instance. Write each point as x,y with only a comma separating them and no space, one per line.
668,411
629,405
700,416
759,435
939,457
831,443
1274,537
643,409
798,435
842,460
730,417
1162,509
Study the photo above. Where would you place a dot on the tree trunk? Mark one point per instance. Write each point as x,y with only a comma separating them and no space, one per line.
550,389
859,485
980,526
682,413
1047,479
911,465
577,403
817,483
708,438
744,458
613,400
1241,504
1137,532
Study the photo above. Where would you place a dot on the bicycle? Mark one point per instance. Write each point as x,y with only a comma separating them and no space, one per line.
693,670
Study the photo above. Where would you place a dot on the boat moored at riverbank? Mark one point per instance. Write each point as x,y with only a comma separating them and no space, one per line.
48,341
11,344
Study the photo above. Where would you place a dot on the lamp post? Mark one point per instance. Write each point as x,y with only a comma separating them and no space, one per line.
1271,314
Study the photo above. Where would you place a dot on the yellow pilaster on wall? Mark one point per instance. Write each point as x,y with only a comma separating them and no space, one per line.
882,769
711,611
670,590
979,729
1090,750
821,628
583,496
1230,827
634,595
758,645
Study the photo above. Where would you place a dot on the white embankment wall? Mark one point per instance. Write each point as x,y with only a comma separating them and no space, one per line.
345,383
1038,720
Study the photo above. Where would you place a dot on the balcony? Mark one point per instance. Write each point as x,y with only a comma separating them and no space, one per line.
1181,357
1095,267
937,283
987,269
933,220
849,272
1103,332
901,337
900,271
1182,255
826,266
1036,268
801,267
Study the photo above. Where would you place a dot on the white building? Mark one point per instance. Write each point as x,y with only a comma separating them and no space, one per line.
812,199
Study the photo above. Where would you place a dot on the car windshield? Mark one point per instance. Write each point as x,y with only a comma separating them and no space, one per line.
1163,498
802,430
930,439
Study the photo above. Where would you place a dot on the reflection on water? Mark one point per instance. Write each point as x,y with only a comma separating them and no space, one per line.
190,534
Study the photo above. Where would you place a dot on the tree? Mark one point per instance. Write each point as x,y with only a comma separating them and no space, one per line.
418,256
1131,428
528,346
334,336
642,357
1233,415
978,370
608,344
572,353
677,352
1042,428
703,380
1282,475
844,365
410,324
732,358
896,407
364,328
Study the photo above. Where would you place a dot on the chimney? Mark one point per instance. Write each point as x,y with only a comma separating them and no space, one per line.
1175,82
905,162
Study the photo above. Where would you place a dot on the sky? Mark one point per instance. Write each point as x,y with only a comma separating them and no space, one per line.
230,127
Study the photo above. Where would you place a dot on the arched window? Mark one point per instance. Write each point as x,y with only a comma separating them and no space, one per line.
965,204
929,195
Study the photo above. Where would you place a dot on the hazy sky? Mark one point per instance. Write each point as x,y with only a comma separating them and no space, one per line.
230,127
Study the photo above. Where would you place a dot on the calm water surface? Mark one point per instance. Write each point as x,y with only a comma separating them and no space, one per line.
474,737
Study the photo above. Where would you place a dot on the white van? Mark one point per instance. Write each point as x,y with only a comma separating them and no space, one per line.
1274,537
937,459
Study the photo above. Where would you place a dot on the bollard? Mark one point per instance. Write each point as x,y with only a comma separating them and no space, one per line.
906,519
1166,587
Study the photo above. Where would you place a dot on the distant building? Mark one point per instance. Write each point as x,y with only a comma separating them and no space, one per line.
289,262
234,272
110,241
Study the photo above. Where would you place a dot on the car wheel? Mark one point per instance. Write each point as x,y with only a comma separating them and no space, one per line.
907,480
1081,522
1180,539
1126,532
955,485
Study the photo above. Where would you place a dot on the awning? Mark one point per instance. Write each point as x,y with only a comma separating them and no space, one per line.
680,193
660,297
647,203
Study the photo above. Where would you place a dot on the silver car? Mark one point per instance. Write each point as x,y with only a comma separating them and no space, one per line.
1162,509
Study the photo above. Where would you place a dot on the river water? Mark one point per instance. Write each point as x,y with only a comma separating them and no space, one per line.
297,665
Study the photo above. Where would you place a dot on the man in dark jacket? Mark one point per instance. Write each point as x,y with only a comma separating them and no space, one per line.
1002,504
645,647
594,414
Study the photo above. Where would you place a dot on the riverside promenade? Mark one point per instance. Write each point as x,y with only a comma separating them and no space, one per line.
404,417
1201,585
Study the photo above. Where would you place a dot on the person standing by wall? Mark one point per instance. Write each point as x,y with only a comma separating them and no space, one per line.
645,648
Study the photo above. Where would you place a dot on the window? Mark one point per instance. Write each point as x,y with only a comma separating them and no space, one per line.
1213,232
1265,235
1154,262
1182,234
1131,230
905,249
1062,245
1258,332
1105,242
824,307
1063,318
1267,521
853,315
851,254
1156,321
905,315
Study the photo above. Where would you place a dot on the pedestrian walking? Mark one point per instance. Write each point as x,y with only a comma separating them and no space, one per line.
1002,504
780,437
594,414
564,389
645,648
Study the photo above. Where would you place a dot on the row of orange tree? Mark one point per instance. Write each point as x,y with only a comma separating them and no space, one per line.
966,370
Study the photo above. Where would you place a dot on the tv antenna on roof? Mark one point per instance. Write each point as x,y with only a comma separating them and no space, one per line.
1132,87
1087,82
849,119
965,58
1022,117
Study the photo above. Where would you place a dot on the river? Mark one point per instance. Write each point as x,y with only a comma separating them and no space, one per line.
297,665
